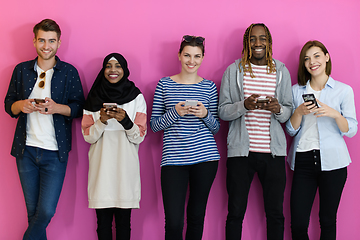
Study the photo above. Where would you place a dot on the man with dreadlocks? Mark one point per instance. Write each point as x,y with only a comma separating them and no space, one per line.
255,97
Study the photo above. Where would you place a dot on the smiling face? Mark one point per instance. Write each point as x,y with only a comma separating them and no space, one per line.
191,59
258,43
113,71
46,44
315,61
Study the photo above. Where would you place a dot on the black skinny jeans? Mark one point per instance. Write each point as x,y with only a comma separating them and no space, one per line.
175,181
272,176
308,177
105,218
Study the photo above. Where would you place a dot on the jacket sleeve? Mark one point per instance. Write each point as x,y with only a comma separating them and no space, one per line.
76,98
229,109
348,111
13,93
295,103
285,96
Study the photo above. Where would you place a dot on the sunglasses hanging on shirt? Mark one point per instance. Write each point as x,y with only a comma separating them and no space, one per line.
42,82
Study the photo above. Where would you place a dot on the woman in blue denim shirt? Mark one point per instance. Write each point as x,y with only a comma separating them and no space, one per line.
318,155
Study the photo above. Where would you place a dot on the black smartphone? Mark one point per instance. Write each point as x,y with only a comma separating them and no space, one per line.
262,100
38,100
310,97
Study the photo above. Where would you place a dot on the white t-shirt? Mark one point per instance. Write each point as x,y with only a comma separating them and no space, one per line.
310,135
40,131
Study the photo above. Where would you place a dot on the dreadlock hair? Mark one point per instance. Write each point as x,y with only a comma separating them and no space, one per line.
247,53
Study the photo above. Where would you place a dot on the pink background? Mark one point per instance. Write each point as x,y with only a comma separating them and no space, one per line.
148,34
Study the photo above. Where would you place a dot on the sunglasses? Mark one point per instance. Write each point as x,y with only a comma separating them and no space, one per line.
189,38
42,82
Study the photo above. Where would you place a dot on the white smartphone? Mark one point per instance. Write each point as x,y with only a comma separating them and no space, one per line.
110,106
192,103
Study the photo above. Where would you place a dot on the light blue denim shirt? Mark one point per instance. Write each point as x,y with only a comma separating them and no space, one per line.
333,151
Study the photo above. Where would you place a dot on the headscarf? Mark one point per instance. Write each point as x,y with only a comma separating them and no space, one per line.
102,91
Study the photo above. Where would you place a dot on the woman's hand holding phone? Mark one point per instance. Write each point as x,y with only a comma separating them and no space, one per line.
199,110
103,115
118,113
193,107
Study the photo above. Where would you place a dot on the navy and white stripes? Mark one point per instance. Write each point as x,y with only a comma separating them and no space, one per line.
188,139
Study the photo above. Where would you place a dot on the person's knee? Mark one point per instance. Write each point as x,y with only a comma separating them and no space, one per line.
45,215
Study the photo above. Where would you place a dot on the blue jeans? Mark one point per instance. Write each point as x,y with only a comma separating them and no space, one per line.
41,176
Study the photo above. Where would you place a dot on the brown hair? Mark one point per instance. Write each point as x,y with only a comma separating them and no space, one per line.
303,74
47,25
247,54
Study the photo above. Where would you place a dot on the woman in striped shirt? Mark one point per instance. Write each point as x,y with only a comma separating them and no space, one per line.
185,107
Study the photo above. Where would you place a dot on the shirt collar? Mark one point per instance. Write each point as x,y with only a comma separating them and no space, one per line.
330,83
58,64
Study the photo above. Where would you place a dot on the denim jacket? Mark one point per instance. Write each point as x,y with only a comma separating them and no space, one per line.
66,89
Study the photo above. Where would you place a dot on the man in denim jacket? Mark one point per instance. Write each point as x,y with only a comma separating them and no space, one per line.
45,94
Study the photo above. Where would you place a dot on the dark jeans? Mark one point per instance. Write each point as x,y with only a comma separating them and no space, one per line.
41,176
272,175
175,181
105,218
308,177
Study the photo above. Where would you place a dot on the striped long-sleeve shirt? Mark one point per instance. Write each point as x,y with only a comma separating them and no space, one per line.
188,139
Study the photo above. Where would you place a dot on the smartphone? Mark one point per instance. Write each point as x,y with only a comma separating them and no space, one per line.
310,97
262,100
192,103
39,100
110,106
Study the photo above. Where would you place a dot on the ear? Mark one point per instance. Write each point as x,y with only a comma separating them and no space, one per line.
327,57
179,54
59,43
34,41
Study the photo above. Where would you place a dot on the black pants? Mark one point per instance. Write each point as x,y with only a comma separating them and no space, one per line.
272,175
175,181
105,218
308,177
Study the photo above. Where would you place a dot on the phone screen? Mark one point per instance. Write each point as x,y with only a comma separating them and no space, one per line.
110,106
310,97
262,100
192,103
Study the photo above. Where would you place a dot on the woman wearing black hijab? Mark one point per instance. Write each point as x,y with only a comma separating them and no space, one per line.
114,134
